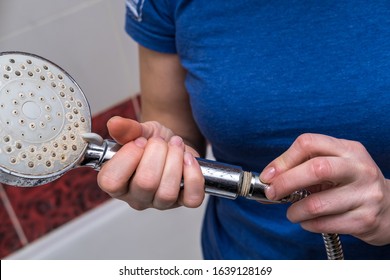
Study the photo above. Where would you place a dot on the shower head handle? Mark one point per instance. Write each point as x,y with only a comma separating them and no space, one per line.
98,151
221,179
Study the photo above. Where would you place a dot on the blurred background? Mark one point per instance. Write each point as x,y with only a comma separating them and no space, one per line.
71,218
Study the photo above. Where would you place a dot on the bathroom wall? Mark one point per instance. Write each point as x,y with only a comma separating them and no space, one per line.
86,38
72,218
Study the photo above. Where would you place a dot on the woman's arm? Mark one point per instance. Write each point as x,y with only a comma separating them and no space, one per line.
164,97
147,171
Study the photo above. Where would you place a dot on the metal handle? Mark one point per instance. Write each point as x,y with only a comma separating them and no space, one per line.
221,179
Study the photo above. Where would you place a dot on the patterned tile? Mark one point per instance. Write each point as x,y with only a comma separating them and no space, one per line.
42,209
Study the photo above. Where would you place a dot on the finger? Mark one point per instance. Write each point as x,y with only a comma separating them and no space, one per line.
168,191
155,129
124,130
147,177
305,147
346,223
114,175
332,171
359,222
330,202
193,193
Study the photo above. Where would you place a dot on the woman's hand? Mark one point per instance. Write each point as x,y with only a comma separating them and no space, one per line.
147,171
349,194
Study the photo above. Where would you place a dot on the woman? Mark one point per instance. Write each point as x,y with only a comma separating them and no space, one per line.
274,84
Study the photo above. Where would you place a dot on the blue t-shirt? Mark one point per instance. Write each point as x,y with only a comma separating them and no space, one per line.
260,73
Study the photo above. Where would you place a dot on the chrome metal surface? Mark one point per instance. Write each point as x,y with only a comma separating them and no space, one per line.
96,155
222,180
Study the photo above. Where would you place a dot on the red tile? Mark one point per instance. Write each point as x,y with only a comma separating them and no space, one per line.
42,209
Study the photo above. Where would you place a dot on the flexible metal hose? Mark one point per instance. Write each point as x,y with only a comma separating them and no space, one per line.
333,247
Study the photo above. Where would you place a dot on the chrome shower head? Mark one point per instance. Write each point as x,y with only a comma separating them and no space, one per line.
43,117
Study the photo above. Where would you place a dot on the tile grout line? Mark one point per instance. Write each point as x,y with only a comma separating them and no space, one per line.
13,217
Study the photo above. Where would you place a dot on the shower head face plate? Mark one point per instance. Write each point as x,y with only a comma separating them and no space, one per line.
43,115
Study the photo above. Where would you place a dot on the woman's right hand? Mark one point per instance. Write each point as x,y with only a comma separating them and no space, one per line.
148,169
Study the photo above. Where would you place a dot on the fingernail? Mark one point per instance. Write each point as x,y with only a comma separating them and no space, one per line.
188,159
176,141
267,174
270,192
140,142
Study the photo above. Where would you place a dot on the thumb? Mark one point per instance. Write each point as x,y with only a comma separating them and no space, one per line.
124,130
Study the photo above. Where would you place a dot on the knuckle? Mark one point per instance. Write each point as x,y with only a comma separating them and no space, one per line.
353,147
357,146
157,141
167,196
305,141
138,206
377,195
109,184
193,201
372,171
160,130
315,206
146,182
322,168
368,224
156,126
370,221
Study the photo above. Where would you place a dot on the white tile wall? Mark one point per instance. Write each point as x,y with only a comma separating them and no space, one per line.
87,38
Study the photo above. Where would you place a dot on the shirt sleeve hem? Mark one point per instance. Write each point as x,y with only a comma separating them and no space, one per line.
148,40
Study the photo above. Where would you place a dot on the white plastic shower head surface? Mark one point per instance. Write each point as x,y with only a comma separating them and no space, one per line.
43,115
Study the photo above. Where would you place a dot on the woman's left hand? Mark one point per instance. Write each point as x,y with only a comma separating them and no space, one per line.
349,194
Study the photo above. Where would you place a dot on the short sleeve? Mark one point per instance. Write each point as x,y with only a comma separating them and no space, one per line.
151,25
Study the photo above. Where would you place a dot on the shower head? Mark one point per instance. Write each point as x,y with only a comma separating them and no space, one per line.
43,117
45,130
